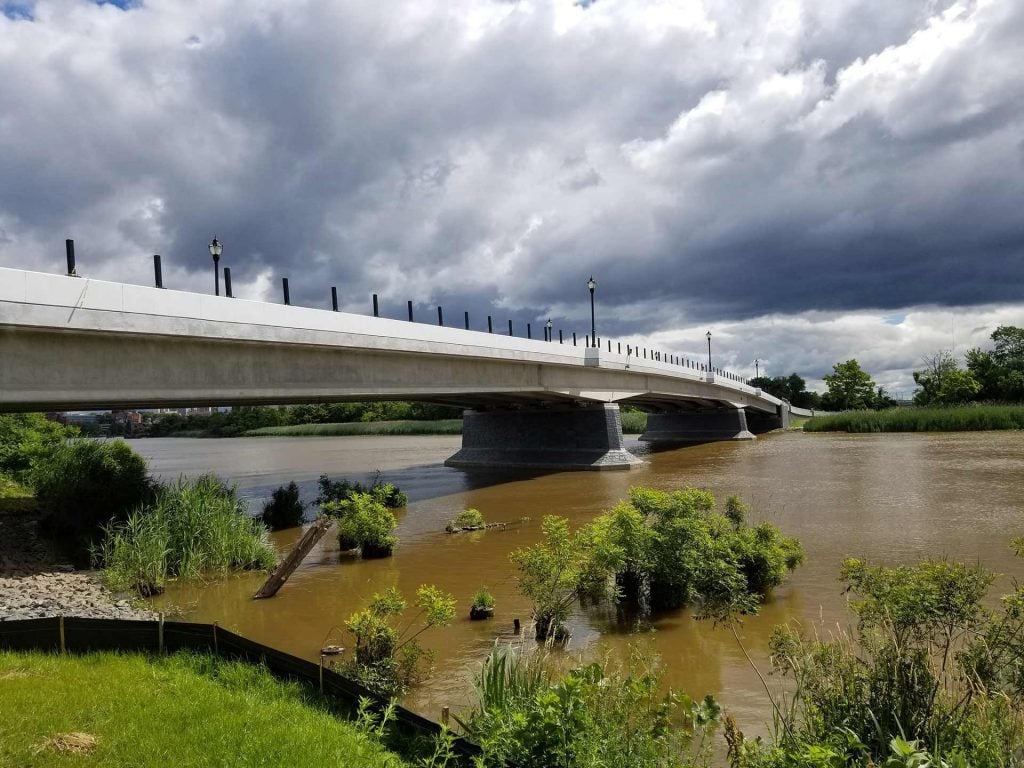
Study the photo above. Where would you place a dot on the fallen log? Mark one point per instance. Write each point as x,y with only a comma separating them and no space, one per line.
313,534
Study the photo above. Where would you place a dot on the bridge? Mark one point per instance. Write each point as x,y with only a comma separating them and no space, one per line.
70,343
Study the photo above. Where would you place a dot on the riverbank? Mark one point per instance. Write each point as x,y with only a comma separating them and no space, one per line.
350,428
967,418
134,710
35,584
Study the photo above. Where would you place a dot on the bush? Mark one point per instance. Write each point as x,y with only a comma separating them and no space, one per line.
949,419
594,716
483,598
341,490
82,485
27,437
467,518
389,661
284,510
193,528
364,522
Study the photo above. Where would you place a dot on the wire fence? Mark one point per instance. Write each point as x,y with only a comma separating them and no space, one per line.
66,634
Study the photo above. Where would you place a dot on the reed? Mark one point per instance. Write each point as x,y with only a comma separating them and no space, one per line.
966,418
193,528
344,429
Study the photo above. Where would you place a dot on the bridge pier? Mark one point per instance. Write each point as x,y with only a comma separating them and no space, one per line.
555,437
727,423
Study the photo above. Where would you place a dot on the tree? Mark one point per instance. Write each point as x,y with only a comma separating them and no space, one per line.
849,388
1000,373
942,382
792,388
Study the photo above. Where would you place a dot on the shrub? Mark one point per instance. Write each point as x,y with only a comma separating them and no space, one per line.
284,510
341,490
467,518
84,484
593,716
385,659
26,437
364,522
193,528
483,598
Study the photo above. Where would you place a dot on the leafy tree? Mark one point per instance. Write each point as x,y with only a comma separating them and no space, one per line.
942,382
1000,372
792,388
25,437
285,509
849,388
364,522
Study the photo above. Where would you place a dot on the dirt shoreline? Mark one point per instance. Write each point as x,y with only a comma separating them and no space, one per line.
33,586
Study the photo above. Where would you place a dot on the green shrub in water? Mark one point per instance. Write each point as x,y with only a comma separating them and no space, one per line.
340,490
285,509
467,518
364,522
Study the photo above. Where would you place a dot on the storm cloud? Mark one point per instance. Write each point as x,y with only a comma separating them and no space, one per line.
815,181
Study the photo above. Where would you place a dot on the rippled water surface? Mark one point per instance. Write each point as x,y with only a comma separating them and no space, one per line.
891,498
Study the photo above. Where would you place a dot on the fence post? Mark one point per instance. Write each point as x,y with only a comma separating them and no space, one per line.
227,283
334,298
467,320
440,316
160,633
60,624
410,310
509,327
490,328
157,272
528,331
287,296
376,313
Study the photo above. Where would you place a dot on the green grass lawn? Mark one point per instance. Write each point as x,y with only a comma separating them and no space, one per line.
116,710
439,427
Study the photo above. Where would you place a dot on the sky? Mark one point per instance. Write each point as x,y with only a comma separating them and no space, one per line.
810,181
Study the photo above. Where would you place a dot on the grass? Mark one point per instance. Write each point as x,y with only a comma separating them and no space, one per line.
193,528
633,422
439,427
117,710
951,419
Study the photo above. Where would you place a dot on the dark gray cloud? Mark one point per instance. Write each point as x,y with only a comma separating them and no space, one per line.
713,164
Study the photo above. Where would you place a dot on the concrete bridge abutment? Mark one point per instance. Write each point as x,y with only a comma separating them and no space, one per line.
553,437
697,426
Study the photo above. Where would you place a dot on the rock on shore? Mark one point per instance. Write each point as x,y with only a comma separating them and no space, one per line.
32,587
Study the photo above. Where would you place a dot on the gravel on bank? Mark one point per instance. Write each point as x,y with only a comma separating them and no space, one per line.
32,586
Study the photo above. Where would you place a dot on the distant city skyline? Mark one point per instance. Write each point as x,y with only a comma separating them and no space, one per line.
812,182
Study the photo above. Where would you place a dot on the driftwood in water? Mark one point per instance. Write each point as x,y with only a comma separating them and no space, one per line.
467,529
313,534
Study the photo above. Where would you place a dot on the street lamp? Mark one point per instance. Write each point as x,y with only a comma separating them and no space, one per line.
709,351
548,326
216,249
592,284
757,368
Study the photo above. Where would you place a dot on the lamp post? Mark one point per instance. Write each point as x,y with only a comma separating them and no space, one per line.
216,249
592,284
757,368
548,326
709,351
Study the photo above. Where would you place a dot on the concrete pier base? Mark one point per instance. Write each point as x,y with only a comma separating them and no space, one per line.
557,437
762,421
697,427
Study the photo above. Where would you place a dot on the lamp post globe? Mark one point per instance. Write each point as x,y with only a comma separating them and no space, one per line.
216,249
709,350
592,284
547,325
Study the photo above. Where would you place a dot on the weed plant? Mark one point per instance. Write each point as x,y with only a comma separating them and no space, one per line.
193,528
594,715
364,522
341,490
965,418
467,518
633,422
344,429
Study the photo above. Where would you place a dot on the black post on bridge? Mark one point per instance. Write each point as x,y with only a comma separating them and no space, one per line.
227,283
287,296
509,327
334,298
528,331
559,335
467,320
69,248
158,273
376,309
440,316
490,328
410,310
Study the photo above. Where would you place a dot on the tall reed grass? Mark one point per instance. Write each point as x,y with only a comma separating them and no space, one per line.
440,427
952,419
194,527
633,422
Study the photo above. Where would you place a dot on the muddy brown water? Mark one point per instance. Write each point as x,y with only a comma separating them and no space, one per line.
894,498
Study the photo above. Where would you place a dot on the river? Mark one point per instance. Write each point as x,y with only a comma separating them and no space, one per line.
891,498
